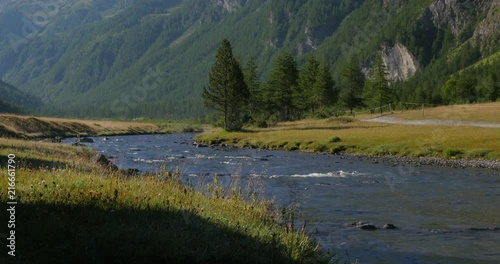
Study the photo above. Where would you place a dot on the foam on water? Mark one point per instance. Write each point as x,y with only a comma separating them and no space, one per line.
335,174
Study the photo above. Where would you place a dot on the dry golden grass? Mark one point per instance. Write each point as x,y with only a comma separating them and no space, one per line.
488,112
33,127
346,135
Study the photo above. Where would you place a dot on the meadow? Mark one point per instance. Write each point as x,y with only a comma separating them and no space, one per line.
353,135
71,209
30,127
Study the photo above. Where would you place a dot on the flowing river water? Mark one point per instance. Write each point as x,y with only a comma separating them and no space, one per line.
443,215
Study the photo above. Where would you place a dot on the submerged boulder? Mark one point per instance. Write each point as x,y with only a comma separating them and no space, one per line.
87,140
389,226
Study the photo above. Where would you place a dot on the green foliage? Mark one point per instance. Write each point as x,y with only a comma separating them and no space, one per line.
14,101
93,56
452,153
254,87
227,91
352,84
304,93
278,93
377,91
324,92
334,140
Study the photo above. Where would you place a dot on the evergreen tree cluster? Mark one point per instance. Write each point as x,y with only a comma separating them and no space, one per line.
290,93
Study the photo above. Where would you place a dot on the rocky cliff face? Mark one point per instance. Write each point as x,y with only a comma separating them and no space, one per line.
400,63
450,14
461,18
468,20
230,5
487,33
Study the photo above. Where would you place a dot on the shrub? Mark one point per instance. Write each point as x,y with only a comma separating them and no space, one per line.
334,140
452,153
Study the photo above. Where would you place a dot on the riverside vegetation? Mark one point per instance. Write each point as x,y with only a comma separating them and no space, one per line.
71,209
30,127
353,135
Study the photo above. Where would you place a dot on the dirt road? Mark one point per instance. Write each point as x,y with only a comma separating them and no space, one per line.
430,122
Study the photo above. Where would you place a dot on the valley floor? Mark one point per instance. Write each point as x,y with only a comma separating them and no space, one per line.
444,136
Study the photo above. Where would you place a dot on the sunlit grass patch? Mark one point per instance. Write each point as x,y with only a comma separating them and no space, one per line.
368,138
487,112
89,214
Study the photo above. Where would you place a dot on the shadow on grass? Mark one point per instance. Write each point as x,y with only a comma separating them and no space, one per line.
33,163
50,233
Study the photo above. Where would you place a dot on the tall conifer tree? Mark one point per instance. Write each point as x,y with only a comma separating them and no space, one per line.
227,91
352,83
279,89
377,91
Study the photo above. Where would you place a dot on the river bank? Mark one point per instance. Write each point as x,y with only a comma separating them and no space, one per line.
30,127
452,146
432,206
147,219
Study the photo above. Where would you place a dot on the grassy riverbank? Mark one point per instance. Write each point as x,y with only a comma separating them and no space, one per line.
351,135
71,209
29,127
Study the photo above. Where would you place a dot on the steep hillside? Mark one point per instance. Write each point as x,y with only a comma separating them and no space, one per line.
125,58
14,101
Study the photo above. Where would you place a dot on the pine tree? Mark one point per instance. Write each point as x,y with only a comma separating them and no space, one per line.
323,90
377,91
303,94
227,92
253,84
352,82
279,89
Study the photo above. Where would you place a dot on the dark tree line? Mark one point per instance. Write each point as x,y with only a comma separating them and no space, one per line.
290,93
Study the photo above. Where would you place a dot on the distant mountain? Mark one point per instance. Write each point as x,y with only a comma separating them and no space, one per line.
14,101
131,58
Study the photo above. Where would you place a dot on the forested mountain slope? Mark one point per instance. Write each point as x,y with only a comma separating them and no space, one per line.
130,58
14,101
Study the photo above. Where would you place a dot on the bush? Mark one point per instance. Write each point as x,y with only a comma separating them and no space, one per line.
334,140
478,153
452,153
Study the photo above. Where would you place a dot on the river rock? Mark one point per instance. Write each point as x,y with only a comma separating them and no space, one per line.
87,140
56,140
389,226
367,227
357,223
484,229
360,225
105,162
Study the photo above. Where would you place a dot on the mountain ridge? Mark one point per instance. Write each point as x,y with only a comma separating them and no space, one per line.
79,69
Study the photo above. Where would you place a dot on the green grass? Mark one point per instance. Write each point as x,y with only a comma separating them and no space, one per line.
82,213
341,135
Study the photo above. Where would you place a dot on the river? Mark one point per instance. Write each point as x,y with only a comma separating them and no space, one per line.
443,215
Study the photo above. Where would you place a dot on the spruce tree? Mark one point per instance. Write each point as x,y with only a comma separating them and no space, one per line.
253,84
279,89
377,91
303,94
352,83
227,91
324,93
